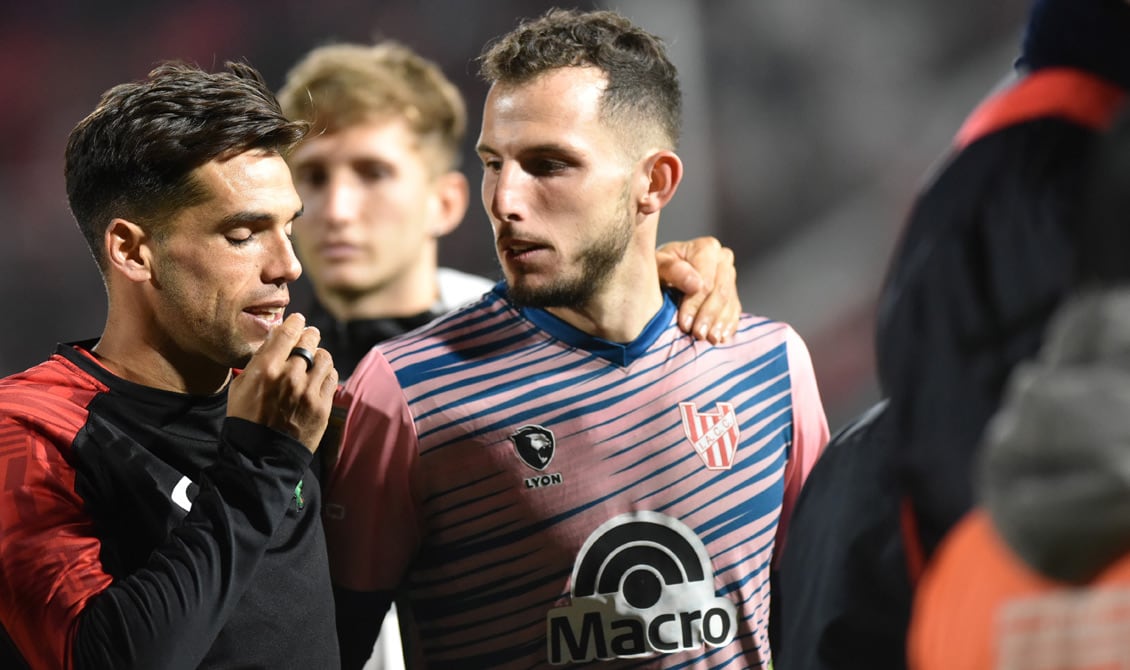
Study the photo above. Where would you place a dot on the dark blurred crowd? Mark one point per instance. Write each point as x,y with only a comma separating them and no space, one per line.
795,109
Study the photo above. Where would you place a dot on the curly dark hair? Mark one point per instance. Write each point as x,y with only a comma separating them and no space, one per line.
133,157
643,84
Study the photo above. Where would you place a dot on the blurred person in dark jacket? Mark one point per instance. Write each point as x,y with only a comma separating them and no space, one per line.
987,255
1038,574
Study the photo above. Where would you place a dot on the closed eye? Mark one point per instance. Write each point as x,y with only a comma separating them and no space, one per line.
239,237
544,167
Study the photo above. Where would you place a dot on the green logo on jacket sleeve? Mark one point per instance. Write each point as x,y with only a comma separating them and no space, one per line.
298,501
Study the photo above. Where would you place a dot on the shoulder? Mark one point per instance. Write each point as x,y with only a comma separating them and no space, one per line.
45,404
763,332
47,389
774,348
473,325
458,288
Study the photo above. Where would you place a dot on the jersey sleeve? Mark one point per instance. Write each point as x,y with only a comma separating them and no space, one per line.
372,526
62,610
810,428
49,552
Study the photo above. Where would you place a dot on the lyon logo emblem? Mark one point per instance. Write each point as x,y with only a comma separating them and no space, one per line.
535,446
713,434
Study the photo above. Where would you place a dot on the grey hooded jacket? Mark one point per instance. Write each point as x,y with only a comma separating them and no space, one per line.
1054,472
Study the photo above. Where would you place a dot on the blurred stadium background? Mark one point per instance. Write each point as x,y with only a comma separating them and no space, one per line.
809,126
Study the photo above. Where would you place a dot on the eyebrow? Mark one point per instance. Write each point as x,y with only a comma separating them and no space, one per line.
551,147
248,218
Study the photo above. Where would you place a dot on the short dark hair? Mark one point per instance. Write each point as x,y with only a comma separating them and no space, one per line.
642,81
134,155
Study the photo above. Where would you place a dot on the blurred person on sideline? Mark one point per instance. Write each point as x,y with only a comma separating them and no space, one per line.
556,473
157,510
1038,575
379,179
987,255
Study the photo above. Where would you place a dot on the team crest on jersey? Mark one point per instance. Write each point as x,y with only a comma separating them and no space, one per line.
535,446
713,434
643,584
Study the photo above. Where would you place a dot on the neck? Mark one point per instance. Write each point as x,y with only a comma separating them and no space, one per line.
412,291
622,309
134,354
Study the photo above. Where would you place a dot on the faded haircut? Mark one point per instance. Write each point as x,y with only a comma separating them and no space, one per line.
642,83
134,156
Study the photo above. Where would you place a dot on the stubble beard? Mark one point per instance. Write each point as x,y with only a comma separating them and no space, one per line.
597,261
225,348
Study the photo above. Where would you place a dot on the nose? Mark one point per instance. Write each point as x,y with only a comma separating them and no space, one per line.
341,201
281,266
502,192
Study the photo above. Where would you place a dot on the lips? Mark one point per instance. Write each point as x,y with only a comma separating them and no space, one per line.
269,314
521,250
338,251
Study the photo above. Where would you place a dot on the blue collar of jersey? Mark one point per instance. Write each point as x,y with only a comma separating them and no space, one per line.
614,352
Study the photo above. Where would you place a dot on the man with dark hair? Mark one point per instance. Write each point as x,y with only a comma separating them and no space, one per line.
156,509
379,179
644,526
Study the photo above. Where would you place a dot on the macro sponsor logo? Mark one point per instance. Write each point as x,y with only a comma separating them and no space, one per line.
643,584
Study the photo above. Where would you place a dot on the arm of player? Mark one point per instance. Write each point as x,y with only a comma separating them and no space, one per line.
63,610
59,606
371,520
168,614
703,271
810,430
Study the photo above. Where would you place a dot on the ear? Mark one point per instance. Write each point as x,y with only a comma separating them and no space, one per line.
452,197
128,250
663,171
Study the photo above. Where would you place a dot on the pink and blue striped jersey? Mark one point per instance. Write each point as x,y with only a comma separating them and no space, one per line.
541,497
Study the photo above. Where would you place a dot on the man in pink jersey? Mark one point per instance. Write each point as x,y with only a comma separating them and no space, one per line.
380,185
556,473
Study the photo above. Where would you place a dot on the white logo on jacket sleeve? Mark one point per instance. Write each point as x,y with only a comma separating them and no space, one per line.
642,584
713,434
180,494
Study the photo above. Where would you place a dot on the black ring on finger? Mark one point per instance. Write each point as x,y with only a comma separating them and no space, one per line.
304,354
